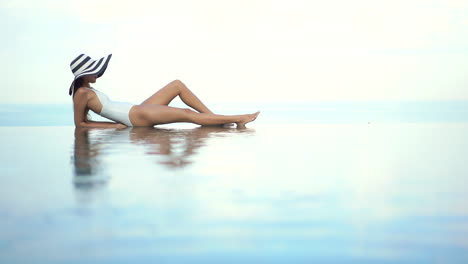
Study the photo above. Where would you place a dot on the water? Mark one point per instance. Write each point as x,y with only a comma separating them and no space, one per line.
353,189
285,113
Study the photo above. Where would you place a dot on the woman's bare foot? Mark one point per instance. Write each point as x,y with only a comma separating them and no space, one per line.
247,119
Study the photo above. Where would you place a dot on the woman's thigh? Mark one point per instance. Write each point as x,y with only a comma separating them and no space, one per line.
150,115
165,95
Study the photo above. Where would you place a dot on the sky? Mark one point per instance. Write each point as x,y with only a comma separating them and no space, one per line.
244,50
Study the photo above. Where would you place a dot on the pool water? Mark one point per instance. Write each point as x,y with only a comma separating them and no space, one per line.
271,193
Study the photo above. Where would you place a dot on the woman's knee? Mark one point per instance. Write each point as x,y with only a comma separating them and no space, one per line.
177,82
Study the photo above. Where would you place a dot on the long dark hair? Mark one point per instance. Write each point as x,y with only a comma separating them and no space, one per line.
78,83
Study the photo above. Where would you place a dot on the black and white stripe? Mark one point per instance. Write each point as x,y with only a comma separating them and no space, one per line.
83,65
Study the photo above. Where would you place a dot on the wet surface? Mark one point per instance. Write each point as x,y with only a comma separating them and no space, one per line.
325,193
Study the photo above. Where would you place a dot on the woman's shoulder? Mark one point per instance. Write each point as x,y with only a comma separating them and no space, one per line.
84,92
87,90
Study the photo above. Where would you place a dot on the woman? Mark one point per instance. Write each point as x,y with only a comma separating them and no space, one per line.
152,111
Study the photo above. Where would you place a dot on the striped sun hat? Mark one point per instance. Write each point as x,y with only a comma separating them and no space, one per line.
83,65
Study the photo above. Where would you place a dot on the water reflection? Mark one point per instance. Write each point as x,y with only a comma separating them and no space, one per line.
172,148
90,176
175,148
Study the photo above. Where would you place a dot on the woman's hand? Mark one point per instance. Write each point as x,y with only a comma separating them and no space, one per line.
120,126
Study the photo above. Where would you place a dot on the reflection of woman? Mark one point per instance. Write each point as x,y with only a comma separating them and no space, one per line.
152,111
84,153
88,170
177,146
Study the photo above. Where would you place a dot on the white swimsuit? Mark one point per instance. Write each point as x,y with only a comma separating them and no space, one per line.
113,110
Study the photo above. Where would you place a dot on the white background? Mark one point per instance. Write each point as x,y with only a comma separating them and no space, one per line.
245,50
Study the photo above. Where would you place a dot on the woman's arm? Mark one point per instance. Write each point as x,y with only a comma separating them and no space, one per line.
102,124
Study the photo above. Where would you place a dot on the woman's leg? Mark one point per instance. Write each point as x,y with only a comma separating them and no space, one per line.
152,114
177,88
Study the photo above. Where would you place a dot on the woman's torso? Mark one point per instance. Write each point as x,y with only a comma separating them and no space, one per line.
100,103
93,102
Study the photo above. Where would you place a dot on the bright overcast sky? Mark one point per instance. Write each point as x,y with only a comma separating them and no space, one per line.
243,50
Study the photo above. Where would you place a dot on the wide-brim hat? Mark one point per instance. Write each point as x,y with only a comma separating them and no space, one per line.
83,65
